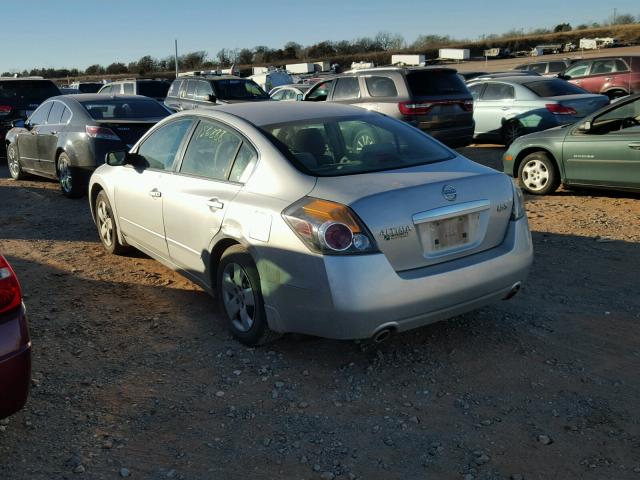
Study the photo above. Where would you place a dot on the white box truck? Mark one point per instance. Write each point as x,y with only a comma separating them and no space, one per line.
301,68
322,66
588,44
454,54
407,59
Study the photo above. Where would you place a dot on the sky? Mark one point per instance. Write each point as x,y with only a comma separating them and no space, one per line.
66,33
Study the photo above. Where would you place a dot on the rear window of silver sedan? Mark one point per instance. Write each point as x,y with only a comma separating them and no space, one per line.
329,147
553,88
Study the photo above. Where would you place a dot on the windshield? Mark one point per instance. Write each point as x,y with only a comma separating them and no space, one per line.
427,83
124,109
553,88
153,89
232,89
351,145
28,90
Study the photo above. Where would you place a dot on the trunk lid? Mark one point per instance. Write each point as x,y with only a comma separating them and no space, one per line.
584,104
414,215
129,131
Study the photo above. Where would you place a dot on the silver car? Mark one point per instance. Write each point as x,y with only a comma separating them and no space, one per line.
509,107
272,209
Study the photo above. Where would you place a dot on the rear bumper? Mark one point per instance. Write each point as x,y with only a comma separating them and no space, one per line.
366,295
15,363
453,137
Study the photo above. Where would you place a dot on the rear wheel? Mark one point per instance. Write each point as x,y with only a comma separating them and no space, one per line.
13,162
362,138
69,178
510,131
106,223
240,297
538,174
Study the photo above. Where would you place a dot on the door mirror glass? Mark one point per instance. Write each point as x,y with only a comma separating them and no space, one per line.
116,159
20,123
585,127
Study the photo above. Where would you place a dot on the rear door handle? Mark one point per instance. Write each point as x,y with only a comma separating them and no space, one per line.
155,193
634,145
215,204
504,108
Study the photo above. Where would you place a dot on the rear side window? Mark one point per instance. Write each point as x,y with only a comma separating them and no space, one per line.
203,90
66,115
28,91
538,68
211,150
55,113
174,91
245,161
601,67
428,83
191,89
498,91
556,67
621,66
553,88
128,88
153,89
125,109
381,86
347,88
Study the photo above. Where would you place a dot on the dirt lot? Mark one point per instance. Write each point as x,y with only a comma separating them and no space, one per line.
134,375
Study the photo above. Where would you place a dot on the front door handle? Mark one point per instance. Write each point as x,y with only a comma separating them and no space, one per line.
504,108
634,145
155,193
215,204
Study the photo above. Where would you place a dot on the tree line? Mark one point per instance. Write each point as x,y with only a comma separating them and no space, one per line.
293,51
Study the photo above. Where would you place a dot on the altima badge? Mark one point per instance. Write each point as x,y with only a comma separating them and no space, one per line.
449,192
392,233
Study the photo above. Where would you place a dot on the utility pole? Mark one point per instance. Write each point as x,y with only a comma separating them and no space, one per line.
615,14
176,44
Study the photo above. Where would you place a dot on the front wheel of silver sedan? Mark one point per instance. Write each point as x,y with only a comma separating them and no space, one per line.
106,223
240,297
538,174
13,162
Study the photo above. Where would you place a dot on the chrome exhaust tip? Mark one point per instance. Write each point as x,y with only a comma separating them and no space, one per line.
382,335
515,289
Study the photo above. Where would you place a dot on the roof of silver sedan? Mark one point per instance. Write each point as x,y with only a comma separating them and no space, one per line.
268,113
521,79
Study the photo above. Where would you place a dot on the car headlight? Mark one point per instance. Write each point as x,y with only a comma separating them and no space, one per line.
517,210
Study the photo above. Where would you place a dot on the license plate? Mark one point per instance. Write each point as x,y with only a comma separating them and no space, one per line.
449,233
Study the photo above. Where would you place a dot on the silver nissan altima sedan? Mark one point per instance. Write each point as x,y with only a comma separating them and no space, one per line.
320,219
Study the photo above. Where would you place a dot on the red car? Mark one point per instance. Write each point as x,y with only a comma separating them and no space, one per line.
611,76
15,345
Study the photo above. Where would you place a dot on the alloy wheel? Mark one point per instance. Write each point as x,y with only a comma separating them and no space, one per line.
64,172
535,175
512,131
362,140
13,162
238,297
105,223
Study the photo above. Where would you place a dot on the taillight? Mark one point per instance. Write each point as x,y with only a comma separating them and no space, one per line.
5,110
413,108
559,109
328,227
467,106
10,293
101,132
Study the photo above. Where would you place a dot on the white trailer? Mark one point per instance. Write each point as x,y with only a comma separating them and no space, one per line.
588,44
323,66
260,70
301,68
360,65
408,59
454,54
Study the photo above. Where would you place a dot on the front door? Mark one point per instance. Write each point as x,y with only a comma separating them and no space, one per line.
140,192
209,177
48,139
609,153
28,139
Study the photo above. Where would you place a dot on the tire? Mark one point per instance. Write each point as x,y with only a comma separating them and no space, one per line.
107,228
510,131
614,94
240,298
538,174
362,138
69,178
13,162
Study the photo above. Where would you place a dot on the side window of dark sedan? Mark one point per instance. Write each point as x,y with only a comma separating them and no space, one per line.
161,147
211,151
39,117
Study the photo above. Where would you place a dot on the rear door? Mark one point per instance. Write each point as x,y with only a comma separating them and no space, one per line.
28,139
609,154
139,192
199,195
600,73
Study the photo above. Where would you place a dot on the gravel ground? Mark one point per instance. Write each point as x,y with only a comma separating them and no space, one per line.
135,376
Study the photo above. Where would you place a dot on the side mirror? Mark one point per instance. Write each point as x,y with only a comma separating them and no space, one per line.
212,98
20,123
585,127
116,159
